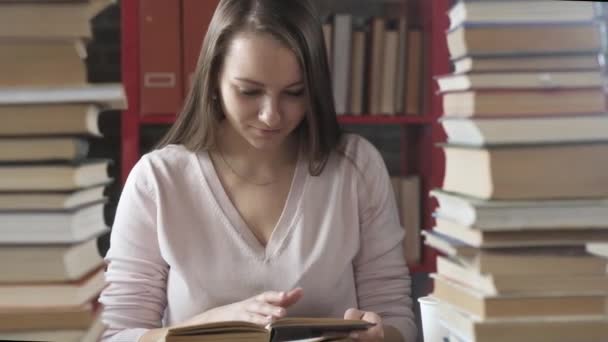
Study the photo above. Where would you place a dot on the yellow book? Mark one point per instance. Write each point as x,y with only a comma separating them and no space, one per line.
286,329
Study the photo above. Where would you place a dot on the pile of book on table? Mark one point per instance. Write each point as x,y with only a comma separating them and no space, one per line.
526,178
51,193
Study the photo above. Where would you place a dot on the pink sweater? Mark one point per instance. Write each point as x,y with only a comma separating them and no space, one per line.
179,247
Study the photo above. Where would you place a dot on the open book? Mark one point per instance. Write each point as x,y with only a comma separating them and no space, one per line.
285,329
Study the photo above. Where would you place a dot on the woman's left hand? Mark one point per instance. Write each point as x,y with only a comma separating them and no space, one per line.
375,333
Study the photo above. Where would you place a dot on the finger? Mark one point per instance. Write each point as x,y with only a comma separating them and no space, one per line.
265,309
374,333
292,297
272,297
283,299
255,318
372,317
353,313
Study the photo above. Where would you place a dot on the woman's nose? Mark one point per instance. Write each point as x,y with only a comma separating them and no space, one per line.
269,113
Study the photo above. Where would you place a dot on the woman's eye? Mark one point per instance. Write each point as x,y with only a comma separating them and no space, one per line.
250,92
295,93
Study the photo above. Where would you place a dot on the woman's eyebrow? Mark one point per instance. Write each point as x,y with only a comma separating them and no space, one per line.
248,80
294,84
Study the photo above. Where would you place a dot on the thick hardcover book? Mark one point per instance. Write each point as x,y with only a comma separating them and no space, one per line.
532,38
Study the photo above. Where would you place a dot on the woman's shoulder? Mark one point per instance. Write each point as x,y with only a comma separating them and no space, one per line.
168,155
162,163
359,151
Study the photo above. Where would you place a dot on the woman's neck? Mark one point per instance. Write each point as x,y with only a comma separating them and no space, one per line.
254,163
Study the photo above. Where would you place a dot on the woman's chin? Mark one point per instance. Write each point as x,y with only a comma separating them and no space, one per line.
265,143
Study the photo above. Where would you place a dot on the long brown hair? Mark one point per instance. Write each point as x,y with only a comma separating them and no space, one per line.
296,24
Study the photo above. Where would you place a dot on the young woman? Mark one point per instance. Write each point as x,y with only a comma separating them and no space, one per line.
255,206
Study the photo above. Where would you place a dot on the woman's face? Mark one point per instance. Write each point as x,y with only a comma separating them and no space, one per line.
262,90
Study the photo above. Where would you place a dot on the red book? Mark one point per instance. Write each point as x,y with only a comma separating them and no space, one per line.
197,16
160,57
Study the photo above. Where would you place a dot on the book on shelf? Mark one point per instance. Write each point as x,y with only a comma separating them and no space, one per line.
390,64
51,201
415,73
55,119
358,66
520,238
43,20
494,284
530,63
63,63
374,75
531,38
521,261
407,195
518,80
527,172
517,305
551,328
63,226
507,215
105,95
196,16
159,55
511,102
285,329
511,12
48,263
525,130
402,64
53,176
342,31
53,294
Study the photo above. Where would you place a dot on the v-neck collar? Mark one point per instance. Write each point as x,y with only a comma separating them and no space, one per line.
233,218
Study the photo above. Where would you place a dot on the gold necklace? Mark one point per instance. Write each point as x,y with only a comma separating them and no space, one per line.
242,177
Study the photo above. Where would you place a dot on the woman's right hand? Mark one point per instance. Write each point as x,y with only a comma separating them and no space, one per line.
260,309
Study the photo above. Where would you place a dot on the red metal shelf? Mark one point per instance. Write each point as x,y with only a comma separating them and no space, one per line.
420,268
157,119
343,119
427,263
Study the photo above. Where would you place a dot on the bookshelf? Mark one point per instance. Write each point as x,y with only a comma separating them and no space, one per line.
419,133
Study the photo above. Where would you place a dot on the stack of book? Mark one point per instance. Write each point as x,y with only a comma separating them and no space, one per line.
51,191
526,177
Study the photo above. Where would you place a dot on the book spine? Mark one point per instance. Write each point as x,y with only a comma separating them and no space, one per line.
341,63
161,83
196,16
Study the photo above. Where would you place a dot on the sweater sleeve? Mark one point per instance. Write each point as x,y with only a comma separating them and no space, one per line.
135,298
381,274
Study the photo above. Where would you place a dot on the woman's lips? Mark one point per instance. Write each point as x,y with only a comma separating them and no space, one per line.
266,132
